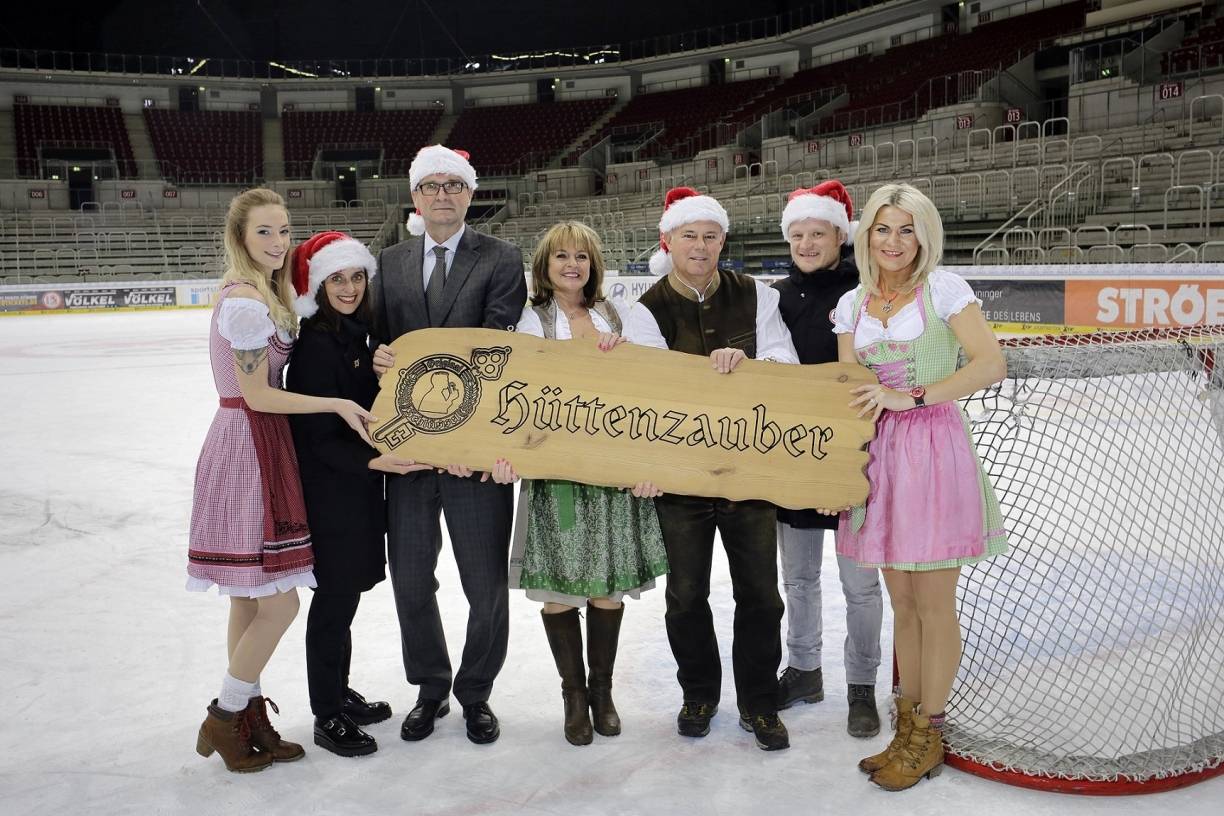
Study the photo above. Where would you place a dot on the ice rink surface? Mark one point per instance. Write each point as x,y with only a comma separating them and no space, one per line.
107,664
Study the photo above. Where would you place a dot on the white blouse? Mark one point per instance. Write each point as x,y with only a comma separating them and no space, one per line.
950,293
246,324
529,321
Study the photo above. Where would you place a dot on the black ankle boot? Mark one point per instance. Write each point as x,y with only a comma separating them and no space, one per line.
342,736
603,632
365,712
565,638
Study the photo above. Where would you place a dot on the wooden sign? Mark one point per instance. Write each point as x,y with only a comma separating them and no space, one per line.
562,409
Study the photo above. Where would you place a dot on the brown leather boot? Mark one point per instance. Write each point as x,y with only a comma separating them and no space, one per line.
565,638
227,733
922,755
264,736
603,632
905,723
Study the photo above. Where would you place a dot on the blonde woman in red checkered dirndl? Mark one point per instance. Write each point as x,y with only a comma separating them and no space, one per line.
249,535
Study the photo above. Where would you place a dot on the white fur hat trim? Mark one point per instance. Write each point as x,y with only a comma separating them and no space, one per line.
691,209
822,208
438,159
344,253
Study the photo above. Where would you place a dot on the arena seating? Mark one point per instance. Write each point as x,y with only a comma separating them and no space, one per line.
684,113
1202,50
206,146
513,139
70,126
398,133
803,83
905,81
128,242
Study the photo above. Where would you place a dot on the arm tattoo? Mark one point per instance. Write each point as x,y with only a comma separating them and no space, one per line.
250,360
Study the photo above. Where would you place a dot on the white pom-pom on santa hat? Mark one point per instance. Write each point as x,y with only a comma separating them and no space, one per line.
321,255
828,201
416,224
684,205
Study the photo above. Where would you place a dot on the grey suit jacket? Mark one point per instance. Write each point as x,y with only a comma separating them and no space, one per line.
485,288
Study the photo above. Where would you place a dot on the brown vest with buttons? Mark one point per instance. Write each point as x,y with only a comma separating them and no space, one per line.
725,319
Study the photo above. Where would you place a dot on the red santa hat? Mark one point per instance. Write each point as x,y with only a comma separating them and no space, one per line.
684,205
321,255
827,201
438,159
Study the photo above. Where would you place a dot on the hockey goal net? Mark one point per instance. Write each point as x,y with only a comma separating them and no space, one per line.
1094,649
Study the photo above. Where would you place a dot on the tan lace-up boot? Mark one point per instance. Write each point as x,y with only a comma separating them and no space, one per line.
904,724
922,755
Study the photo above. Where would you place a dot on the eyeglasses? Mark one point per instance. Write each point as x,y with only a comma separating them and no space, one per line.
431,188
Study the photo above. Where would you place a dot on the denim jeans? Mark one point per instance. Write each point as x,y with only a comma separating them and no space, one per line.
802,552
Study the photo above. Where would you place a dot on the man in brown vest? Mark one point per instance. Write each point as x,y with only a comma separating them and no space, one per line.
698,309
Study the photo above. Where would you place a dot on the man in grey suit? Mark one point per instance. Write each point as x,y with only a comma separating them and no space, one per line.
453,277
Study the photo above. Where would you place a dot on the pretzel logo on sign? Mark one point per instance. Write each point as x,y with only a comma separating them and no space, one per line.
439,393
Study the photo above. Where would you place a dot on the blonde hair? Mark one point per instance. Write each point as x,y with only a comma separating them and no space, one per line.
240,268
928,229
567,234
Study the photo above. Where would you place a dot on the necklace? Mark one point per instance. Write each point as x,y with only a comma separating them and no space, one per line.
888,302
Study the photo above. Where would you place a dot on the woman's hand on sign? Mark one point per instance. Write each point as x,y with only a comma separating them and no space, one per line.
392,464
610,340
646,490
355,417
825,511
874,398
462,472
503,472
726,359
384,360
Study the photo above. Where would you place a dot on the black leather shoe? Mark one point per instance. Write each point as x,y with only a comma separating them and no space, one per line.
768,729
419,723
342,736
362,711
694,718
481,722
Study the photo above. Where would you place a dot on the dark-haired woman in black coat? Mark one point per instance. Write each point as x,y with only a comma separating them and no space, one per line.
342,479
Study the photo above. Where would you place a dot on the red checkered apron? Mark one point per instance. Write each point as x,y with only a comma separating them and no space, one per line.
248,520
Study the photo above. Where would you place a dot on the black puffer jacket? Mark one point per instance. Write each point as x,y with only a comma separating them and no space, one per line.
807,303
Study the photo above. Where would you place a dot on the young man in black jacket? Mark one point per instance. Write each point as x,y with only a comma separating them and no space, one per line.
816,224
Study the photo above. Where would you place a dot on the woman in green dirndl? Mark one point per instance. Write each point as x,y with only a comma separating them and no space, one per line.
581,545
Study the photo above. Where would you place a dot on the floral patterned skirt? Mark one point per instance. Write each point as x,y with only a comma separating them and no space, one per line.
574,541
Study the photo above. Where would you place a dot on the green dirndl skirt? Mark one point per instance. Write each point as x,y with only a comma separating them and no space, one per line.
575,541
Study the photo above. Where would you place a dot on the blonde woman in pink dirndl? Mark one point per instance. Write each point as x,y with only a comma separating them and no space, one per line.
931,508
249,536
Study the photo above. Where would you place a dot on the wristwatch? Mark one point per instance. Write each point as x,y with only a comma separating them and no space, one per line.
919,394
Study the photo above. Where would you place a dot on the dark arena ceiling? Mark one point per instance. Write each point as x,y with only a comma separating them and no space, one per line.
317,29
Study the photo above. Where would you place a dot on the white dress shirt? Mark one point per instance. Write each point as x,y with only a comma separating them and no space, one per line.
773,339
452,246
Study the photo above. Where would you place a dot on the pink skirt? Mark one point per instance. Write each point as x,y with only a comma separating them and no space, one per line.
925,500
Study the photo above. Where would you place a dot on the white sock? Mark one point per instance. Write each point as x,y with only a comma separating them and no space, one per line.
235,693
256,691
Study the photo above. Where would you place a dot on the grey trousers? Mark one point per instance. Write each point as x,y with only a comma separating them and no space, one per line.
801,552
478,518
